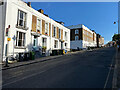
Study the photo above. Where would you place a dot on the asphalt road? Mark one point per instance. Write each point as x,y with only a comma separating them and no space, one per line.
91,69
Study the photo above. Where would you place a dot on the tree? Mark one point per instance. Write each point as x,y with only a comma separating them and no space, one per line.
116,37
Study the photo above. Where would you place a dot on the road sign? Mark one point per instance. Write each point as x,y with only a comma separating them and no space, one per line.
8,39
14,38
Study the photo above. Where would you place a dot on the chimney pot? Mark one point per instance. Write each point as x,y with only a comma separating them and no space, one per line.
29,4
41,11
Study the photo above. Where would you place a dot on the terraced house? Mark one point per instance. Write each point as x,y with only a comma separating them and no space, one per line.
82,37
30,29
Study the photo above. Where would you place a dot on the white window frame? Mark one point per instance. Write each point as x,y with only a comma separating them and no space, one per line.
66,45
55,32
55,44
76,38
66,34
23,39
24,19
39,25
44,44
60,33
46,28
77,31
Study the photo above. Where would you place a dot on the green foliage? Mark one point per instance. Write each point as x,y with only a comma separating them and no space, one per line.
116,37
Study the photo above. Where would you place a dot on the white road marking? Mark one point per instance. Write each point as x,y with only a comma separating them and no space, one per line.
109,72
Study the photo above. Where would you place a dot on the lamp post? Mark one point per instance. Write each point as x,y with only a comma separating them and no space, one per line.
118,42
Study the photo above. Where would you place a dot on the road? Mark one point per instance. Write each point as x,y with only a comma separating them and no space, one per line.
90,69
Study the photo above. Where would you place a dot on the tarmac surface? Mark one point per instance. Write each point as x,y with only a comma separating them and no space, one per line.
90,69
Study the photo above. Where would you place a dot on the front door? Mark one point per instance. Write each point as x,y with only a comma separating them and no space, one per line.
61,45
35,42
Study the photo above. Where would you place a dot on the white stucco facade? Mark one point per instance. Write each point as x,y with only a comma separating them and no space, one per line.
11,13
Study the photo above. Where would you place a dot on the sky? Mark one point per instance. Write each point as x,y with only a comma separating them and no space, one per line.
98,16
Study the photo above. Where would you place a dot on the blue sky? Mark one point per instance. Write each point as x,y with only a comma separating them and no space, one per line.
98,16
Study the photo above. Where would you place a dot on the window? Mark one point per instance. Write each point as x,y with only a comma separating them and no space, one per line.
87,33
39,26
54,33
66,45
61,45
60,33
20,39
76,38
44,42
21,19
56,44
35,42
46,28
1,2
76,31
65,35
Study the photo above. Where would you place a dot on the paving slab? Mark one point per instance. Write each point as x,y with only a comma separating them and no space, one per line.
17,64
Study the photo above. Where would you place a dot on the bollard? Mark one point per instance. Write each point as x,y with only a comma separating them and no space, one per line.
6,63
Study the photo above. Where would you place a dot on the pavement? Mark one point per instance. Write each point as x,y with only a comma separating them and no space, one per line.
42,59
116,76
118,70
90,69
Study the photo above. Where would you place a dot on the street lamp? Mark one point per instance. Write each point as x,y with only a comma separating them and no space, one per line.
118,42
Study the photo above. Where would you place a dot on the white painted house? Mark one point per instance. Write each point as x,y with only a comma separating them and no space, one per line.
81,37
30,29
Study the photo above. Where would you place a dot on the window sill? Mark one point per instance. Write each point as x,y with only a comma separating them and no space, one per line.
20,47
20,27
46,35
55,37
36,34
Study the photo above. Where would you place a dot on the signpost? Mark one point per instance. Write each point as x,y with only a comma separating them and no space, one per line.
14,38
8,39
6,64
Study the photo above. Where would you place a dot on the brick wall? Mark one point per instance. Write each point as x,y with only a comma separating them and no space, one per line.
72,34
43,27
34,23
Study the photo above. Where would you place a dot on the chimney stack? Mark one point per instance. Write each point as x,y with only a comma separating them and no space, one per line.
41,11
29,4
